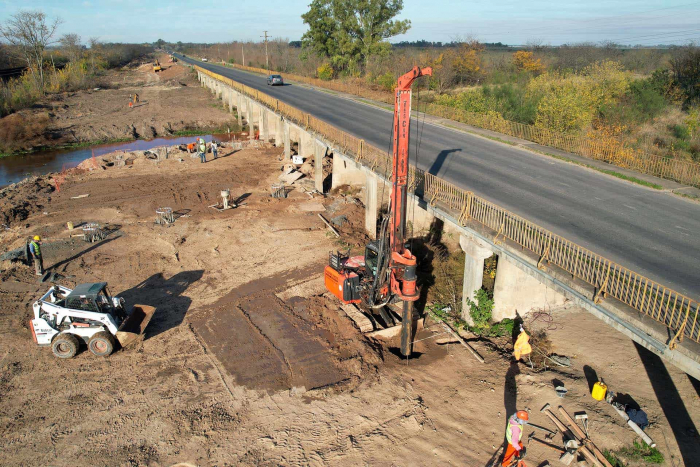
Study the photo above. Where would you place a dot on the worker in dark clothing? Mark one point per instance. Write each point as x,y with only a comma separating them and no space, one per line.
35,249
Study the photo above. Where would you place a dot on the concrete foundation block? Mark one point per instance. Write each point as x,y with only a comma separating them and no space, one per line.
518,293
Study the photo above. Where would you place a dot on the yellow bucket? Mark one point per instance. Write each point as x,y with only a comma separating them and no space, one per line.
599,390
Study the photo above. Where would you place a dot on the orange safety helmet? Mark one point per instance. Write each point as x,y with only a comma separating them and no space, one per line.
522,416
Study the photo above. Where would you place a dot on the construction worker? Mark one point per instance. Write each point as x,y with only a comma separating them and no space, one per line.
202,149
514,433
35,249
214,149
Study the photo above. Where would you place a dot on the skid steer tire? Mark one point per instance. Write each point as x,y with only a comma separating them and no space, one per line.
65,346
101,344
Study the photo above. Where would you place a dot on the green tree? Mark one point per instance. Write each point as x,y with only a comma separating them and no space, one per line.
160,43
348,32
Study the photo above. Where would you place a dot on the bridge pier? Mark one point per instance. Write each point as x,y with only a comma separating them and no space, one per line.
346,172
264,130
306,145
251,120
320,150
239,109
371,203
516,292
287,142
475,253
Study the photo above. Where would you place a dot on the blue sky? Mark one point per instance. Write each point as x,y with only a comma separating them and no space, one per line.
552,22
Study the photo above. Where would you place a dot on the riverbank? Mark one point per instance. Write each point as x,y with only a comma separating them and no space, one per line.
171,103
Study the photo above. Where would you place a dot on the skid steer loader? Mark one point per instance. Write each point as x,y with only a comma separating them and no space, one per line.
63,317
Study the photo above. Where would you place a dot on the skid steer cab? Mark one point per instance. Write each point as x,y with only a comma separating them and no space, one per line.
63,317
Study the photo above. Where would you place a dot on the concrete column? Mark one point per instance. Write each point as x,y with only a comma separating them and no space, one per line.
251,118
278,131
306,148
517,293
475,254
287,142
264,129
346,172
229,92
239,109
371,205
319,153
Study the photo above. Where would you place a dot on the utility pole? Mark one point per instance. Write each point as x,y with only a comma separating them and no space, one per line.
267,60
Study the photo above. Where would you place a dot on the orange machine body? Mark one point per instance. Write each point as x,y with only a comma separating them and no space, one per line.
342,284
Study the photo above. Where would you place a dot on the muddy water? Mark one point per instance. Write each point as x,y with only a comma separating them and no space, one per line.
15,168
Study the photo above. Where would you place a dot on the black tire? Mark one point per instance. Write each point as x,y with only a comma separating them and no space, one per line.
65,346
101,344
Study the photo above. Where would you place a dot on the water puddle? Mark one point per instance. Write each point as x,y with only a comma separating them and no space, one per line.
15,168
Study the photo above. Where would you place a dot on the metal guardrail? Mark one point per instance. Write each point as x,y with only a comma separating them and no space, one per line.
607,149
676,311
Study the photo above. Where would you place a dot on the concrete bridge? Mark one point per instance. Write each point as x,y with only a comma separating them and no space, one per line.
523,282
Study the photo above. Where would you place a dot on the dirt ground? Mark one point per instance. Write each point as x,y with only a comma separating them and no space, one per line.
170,101
247,362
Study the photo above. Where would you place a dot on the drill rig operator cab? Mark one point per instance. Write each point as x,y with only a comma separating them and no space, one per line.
358,279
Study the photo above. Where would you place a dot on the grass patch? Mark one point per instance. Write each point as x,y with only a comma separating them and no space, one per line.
628,178
233,127
638,451
641,451
613,459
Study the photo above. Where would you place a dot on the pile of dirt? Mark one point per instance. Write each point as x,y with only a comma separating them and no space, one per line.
21,199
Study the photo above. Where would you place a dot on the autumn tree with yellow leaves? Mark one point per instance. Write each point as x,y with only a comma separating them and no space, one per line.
526,61
467,63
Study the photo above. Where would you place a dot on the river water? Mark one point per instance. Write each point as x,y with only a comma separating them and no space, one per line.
15,168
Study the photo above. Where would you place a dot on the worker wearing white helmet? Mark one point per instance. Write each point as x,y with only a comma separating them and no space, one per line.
35,250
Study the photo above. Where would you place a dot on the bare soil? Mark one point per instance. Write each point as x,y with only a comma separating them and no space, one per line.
171,100
248,362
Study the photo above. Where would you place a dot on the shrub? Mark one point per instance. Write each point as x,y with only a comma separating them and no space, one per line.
526,61
386,81
570,101
681,132
232,60
325,72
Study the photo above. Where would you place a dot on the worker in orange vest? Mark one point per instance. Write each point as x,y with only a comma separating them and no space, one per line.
514,433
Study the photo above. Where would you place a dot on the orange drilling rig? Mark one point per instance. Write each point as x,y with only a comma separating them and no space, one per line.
387,271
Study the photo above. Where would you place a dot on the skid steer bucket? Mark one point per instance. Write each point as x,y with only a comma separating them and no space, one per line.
132,328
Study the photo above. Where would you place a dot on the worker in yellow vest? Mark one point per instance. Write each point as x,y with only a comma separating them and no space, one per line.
35,249
202,149
514,433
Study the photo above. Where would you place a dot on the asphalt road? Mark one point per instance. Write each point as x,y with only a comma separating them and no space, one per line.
649,232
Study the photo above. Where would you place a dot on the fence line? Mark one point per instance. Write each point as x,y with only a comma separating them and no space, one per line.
677,311
607,149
